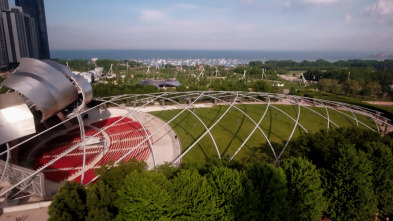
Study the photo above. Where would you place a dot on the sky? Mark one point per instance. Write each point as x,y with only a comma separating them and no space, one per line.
331,25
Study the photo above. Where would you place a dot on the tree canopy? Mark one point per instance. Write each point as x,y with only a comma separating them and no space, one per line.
345,173
348,185
69,203
305,193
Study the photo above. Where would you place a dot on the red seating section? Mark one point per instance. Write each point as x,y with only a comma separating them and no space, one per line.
124,136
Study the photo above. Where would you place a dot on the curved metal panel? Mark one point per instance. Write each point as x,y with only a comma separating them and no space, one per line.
34,90
67,91
62,68
48,88
86,87
16,120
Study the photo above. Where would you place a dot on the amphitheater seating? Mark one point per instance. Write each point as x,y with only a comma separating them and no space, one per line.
89,175
124,136
58,175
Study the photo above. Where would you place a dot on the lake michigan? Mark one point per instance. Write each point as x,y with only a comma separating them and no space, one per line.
243,56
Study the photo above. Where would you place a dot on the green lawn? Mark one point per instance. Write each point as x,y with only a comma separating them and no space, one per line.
235,127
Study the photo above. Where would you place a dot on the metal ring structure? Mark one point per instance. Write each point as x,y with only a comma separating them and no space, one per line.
199,119
185,101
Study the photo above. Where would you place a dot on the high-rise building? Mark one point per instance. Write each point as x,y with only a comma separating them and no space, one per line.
36,10
3,50
19,34
4,5
32,36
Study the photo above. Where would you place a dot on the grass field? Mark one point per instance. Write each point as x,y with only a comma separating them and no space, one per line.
234,128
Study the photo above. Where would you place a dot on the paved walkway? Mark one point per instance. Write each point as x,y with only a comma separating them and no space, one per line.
27,215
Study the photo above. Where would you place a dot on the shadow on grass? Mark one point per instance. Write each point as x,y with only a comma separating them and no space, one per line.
177,124
235,134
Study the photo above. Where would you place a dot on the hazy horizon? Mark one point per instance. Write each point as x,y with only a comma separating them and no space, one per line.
183,54
272,25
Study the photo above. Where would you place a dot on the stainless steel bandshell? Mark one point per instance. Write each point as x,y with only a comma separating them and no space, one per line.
46,86
62,68
87,90
16,120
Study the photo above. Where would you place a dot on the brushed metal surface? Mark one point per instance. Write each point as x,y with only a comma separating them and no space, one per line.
45,85
16,120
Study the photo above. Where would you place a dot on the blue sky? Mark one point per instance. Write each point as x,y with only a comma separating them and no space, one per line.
355,25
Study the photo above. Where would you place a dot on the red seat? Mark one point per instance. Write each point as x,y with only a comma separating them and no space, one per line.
124,135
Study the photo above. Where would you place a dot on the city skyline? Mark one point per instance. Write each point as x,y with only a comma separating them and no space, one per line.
344,25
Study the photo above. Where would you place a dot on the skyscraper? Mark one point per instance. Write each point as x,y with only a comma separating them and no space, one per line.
32,36
3,49
4,5
19,34
36,10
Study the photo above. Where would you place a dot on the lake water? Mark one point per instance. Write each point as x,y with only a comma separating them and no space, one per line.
241,56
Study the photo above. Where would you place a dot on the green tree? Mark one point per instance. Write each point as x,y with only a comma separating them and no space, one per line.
305,194
102,195
193,197
168,170
266,193
114,176
382,161
371,88
353,87
348,185
324,84
313,74
329,85
293,90
318,147
228,188
261,86
69,203
144,196
99,202
256,154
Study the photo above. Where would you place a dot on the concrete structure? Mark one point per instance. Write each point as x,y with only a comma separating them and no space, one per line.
36,9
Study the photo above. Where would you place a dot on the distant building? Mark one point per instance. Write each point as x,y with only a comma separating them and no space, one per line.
19,35
92,75
87,76
36,9
161,83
